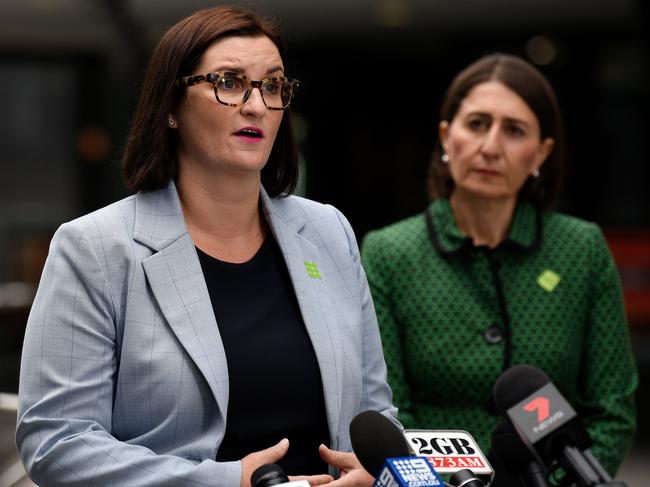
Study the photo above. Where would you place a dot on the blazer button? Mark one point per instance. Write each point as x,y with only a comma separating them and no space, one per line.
493,335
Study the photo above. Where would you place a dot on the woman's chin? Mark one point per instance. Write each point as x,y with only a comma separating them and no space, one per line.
487,192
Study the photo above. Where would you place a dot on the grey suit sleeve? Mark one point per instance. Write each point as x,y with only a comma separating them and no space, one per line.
377,394
67,384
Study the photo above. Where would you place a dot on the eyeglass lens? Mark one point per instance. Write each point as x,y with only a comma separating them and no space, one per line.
232,90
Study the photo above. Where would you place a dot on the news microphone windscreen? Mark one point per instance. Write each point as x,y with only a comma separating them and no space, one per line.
268,475
375,438
516,384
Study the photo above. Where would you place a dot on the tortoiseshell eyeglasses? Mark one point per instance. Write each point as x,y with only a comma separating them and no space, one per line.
234,89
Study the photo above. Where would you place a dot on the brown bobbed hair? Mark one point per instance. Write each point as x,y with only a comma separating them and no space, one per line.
525,80
150,160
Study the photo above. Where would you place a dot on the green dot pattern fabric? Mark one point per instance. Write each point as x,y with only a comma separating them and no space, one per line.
436,295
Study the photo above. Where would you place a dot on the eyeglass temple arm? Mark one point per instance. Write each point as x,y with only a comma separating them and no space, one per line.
191,80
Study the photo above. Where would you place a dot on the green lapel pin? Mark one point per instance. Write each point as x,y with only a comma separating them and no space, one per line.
312,270
548,280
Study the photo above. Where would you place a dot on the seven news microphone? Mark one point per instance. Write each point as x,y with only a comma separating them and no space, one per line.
549,428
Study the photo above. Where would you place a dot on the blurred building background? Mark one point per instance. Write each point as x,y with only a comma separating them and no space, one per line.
373,75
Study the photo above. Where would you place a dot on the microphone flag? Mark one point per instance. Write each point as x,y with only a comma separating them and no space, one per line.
541,413
407,472
449,451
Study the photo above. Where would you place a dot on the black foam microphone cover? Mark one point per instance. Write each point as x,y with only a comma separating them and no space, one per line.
375,438
268,475
516,384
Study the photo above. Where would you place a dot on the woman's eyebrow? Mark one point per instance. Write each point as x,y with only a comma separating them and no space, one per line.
235,69
478,113
274,69
481,114
516,121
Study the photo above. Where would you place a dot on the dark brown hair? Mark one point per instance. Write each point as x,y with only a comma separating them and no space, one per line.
150,160
525,80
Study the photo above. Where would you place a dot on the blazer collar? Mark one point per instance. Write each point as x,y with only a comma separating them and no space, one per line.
158,218
279,211
525,232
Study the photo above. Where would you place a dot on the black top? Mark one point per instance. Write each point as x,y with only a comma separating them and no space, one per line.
276,389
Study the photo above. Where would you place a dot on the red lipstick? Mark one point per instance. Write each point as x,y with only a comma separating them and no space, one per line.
250,134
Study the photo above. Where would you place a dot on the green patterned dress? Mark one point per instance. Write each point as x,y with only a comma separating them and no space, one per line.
453,316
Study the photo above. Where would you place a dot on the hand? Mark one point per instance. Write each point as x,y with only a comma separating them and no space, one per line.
255,460
314,480
352,473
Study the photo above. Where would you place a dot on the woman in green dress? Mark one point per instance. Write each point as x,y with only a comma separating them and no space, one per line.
489,276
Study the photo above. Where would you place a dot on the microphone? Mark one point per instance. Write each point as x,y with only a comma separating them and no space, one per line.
513,456
272,475
548,425
452,452
383,451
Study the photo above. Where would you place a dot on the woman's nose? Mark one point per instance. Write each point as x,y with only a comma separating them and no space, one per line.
254,105
492,142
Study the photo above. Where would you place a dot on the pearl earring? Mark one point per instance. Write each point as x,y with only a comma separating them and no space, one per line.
171,122
445,158
535,173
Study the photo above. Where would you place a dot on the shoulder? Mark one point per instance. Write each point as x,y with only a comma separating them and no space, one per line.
297,206
311,216
569,230
578,242
95,248
401,236
111,220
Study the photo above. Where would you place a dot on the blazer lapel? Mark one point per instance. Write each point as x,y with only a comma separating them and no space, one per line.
176,279
297,250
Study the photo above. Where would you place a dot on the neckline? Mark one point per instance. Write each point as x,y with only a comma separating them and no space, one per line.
204,257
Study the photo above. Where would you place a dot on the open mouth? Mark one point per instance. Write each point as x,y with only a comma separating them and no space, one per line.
250,133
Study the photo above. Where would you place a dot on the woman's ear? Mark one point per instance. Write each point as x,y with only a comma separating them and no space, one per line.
443,132
545,149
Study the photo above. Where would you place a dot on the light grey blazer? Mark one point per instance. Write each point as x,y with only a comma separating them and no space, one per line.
124,379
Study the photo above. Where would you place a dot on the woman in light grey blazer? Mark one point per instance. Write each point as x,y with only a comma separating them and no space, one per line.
210,323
